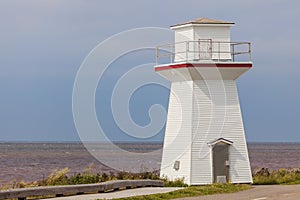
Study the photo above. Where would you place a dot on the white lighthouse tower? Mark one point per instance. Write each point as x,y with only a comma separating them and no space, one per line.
204,139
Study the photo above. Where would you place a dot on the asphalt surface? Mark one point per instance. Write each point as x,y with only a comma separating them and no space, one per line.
120,194
264,192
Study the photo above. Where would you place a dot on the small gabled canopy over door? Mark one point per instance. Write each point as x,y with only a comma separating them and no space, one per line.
220,152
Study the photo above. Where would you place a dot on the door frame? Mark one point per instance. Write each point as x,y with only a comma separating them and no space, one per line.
212,144
205,54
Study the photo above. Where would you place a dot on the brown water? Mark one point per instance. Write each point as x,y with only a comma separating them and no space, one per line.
274,155
35,161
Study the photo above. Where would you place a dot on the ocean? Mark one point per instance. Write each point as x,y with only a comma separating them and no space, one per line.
35,161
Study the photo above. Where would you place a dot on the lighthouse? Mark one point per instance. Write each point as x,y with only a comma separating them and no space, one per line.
204,139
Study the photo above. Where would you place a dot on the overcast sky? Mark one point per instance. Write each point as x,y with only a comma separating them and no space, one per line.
44,42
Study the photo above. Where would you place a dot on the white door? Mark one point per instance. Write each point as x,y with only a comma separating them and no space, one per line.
204,49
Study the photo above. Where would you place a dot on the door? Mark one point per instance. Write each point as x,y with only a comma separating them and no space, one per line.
221,162
204,48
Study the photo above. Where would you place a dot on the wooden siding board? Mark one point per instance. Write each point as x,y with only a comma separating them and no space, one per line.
214,119
201,111
178,133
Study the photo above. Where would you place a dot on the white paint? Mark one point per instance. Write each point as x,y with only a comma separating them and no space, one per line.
196,32
203,107
201,111
178,132
206,73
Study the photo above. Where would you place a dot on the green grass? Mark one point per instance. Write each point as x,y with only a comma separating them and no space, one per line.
194,191
281,176
63,177
175,183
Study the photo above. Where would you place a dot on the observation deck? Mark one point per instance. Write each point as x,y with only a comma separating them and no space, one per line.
203,51
231,59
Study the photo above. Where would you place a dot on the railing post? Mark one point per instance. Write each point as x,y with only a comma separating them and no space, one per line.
250,57
219,51
233,52
156,56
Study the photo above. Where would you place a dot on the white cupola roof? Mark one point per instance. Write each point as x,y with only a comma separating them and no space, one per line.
204,37
204,22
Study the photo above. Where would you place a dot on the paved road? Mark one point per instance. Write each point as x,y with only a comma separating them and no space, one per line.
120,194
264,192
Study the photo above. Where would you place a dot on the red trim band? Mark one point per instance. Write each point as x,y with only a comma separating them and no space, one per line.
185,65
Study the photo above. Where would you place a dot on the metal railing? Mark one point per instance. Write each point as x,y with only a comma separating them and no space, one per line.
204,50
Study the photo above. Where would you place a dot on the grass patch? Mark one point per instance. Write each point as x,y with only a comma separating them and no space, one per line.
194,191
281,176
175,183
62,177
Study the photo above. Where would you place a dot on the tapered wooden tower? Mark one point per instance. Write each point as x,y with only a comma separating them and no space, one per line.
204,139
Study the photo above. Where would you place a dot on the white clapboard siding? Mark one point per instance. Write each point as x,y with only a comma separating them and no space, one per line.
216,34
196,33
216,114
181,37
204,105
178,132
200,112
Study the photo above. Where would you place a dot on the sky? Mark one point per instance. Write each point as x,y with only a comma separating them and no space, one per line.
43,44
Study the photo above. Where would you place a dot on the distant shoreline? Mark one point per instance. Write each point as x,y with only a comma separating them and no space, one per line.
31,161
